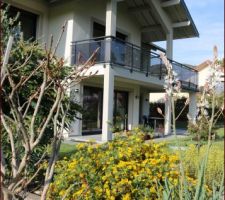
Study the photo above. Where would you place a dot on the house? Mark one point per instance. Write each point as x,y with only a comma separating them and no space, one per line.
204,72
128,66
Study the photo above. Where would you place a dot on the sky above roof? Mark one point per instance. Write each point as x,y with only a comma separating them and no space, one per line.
208,16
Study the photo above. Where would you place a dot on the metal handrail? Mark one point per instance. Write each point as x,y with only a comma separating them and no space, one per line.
141,51
133,45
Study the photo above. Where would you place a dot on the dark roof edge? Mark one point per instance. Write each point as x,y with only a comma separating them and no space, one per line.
190,18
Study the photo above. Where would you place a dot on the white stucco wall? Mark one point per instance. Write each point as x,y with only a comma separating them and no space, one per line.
58,15
81,15
202,76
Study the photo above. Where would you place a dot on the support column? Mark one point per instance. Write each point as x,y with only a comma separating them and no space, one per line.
168,109
169,44
192,106
108,93
108,90
167,120
110,22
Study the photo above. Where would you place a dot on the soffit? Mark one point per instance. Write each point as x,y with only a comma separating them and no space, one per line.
150,23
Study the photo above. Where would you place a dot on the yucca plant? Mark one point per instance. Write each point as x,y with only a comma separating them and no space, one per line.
199,192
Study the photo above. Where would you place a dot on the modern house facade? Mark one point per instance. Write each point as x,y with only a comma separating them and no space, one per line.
127,67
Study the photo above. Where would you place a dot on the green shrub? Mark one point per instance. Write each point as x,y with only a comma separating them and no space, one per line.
126,168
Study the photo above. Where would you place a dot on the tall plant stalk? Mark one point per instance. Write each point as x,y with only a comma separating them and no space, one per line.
171,88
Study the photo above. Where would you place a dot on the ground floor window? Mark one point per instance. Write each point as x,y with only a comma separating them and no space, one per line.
93,108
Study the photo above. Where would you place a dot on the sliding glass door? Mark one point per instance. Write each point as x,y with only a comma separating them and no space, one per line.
93,104
120,110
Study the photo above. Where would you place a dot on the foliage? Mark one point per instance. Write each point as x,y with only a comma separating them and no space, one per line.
220,133
126,168
117,125
36,111
200,132
202,113
215,166
146,130
24,58
210,105
9,26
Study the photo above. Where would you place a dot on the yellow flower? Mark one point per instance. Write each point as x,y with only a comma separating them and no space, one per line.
62,192
107,192
126,197
152,190
154,161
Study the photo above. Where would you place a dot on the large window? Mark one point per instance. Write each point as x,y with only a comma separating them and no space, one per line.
28,22
92,105
120,115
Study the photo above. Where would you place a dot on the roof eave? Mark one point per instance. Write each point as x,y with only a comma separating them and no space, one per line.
190,17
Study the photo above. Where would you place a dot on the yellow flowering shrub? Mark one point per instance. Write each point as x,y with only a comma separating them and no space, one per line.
215,166
125,168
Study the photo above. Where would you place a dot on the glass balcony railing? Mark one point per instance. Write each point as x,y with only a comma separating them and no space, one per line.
115,51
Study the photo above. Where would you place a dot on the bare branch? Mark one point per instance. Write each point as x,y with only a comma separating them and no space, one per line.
57,100
3,169
12,143
42,89
59,39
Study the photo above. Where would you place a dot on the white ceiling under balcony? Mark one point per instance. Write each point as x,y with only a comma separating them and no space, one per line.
151,24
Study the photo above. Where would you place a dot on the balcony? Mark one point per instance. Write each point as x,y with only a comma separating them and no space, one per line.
131,57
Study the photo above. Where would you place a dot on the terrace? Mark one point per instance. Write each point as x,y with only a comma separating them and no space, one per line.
131,57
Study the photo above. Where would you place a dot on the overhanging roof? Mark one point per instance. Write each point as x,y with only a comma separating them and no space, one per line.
175,10
149,20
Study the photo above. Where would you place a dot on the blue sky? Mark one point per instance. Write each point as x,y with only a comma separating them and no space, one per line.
208,16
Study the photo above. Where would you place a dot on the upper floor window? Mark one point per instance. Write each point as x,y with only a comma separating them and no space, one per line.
99,31
28,22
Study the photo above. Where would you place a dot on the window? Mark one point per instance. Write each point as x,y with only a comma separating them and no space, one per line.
93,105
28,22
99,31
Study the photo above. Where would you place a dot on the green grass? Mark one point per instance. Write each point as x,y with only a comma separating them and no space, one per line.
220,133
67,150
188,140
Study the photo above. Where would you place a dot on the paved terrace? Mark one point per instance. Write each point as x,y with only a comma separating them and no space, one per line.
98,137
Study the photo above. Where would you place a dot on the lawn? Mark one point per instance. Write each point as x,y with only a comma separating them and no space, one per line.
66,150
